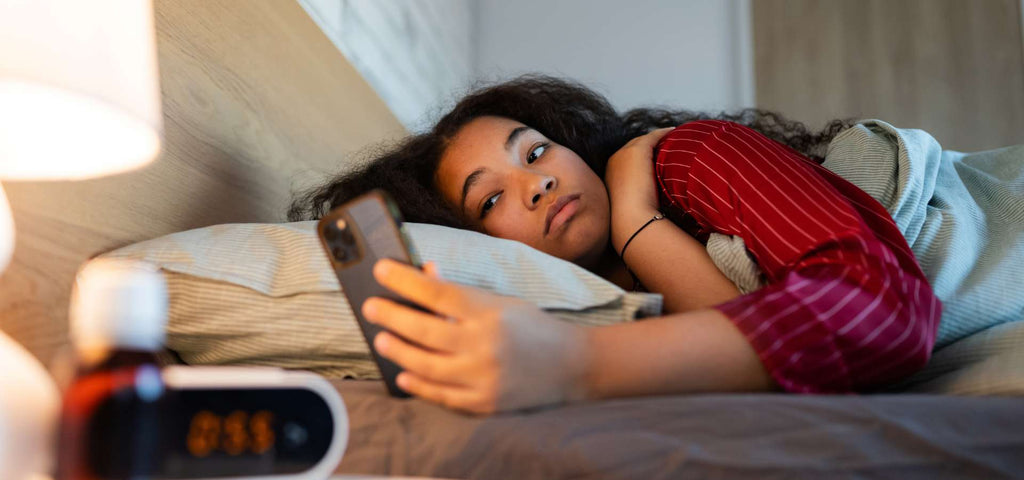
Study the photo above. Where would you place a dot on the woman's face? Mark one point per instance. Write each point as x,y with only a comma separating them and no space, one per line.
512,182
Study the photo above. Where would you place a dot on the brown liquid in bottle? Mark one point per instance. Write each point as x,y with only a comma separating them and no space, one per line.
110,422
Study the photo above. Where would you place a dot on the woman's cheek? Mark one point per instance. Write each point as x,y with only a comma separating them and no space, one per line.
510,227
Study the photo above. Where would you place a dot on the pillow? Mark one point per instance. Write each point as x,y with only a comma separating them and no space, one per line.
265,294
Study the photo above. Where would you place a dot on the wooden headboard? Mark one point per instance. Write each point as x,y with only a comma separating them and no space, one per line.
257,104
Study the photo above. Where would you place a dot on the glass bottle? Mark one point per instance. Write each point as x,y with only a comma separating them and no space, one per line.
110,418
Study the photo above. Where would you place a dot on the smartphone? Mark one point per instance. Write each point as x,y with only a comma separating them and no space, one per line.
354,236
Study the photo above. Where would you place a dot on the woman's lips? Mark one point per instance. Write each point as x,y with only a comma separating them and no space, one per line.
561,212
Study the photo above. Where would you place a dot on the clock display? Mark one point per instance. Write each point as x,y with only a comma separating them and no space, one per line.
250,431
236,434
209,433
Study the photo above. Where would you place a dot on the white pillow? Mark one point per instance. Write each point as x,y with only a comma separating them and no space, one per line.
265,294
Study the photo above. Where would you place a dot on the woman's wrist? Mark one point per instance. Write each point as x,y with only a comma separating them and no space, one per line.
627,221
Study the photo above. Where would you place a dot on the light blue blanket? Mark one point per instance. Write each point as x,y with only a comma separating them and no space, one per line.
961,213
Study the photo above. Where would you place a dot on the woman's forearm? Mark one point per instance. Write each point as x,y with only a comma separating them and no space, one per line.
698,351
669,261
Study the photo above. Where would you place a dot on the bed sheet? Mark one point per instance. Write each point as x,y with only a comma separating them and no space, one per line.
696,436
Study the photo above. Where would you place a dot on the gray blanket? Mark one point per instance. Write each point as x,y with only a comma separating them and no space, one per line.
702,436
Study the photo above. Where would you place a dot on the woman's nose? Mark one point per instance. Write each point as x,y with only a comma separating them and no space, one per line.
541,188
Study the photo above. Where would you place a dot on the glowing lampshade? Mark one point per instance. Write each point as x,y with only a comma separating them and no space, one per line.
79,95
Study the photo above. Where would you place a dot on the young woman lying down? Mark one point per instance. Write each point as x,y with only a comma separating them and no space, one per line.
632,197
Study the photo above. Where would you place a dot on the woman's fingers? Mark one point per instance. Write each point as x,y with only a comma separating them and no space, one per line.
450,396
424,328
660,133
430,365
445,299
648,141
652,138
431,269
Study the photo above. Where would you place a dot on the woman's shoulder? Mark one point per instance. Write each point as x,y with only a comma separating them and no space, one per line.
708,133
702,127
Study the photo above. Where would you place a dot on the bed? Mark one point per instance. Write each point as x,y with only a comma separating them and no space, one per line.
258,104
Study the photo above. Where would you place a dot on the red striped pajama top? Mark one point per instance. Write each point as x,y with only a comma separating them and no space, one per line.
846,307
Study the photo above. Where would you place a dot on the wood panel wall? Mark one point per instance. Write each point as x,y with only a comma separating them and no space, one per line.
257,102
952,67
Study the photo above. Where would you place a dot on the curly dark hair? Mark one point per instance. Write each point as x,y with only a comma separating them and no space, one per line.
564,111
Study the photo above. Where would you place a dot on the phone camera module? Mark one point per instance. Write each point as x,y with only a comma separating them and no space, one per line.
340,241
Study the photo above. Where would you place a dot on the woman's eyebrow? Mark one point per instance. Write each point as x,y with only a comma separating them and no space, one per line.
470,180
513,135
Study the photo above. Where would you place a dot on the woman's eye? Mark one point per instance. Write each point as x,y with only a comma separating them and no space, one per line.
489,204
536,153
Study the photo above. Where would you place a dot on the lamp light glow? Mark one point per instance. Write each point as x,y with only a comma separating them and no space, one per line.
79,91
79,98
51,133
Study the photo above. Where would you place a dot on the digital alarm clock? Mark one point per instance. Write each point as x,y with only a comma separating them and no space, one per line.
220,423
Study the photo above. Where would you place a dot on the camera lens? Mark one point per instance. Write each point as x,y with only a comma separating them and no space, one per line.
340,253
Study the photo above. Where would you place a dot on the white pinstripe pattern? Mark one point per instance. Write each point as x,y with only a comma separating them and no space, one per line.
922,338
779,163
712,192
899,340
827,360
864,209
822,226
684,165
758,167
820,188
805,301
680,151
771,297
871,308
753,211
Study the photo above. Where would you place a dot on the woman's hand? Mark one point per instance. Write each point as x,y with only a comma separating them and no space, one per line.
629,177
477,351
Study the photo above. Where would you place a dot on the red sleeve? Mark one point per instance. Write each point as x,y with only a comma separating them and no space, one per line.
847,307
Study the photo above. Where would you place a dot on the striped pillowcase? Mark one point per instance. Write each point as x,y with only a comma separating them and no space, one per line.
265,294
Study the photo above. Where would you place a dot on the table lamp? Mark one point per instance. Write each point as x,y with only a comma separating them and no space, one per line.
79,98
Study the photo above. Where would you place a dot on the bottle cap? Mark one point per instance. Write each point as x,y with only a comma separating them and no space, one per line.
118,303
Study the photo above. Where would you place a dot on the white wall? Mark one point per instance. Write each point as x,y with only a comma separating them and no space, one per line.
419,55
416,54
685,53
